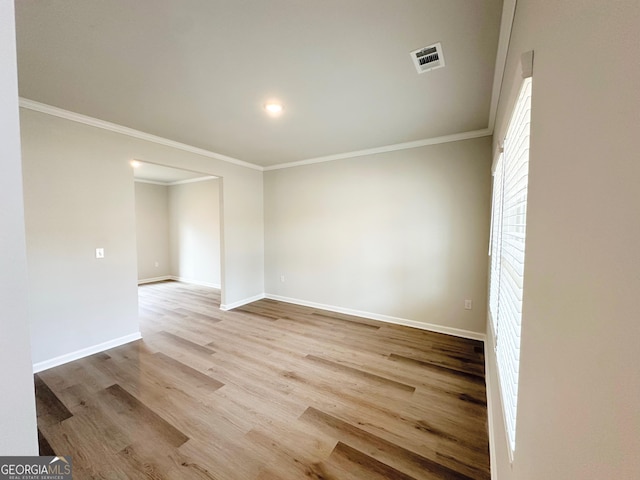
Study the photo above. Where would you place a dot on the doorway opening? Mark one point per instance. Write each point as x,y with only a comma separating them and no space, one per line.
179,227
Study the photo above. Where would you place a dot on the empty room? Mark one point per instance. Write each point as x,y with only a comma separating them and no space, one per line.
351,239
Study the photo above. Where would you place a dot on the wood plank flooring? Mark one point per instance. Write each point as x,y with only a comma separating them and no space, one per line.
268,391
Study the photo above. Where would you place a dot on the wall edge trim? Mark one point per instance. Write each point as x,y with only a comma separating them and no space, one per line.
85,352
490,408
456,137
114,127
504,39
163,278
240,303
457,332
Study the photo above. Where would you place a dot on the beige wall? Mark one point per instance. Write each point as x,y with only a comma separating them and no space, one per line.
152,230
579,410
402,234
194,232
17,403
79,195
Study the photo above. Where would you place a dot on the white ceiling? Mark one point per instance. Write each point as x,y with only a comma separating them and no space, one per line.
200,71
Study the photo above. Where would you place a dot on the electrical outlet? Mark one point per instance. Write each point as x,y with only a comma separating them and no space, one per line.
99,252
282,278
157,264
468,304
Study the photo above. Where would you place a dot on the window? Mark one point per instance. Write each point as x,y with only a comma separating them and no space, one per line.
508,230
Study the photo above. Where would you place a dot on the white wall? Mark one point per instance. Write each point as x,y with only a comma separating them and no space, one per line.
579,408
79,194
194,232
152,230
17,401
402,234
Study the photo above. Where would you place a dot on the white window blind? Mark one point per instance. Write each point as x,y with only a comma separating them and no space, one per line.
508,252
496,234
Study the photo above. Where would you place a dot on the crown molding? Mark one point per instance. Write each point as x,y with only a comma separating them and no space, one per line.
387,148
113,127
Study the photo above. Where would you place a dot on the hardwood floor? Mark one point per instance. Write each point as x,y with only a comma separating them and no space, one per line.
268,391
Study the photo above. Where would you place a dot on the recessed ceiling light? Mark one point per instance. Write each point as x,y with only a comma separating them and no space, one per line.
135,163
274,108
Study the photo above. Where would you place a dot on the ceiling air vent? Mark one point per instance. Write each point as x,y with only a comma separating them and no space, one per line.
428,58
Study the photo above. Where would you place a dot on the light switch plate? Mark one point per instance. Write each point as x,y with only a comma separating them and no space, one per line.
99,252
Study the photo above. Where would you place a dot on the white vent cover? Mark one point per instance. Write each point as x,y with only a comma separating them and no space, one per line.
428,58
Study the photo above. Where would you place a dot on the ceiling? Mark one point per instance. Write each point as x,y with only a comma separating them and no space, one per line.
200,71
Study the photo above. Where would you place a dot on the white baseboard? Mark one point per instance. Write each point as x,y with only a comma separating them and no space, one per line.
85,352
457,332
194,282
155,279
239,303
